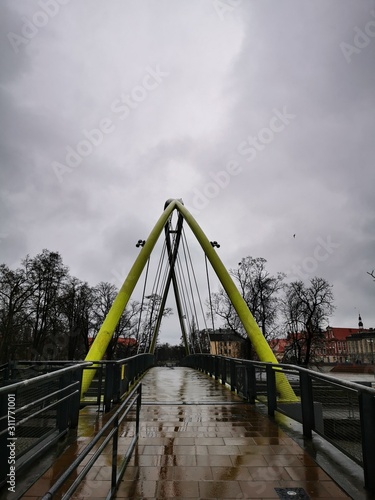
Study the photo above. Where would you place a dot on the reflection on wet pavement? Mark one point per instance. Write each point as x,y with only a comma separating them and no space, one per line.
198,440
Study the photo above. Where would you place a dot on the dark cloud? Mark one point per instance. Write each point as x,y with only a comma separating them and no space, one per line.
220,81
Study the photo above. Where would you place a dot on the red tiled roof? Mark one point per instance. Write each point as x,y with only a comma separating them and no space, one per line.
278,345
127,341
341,333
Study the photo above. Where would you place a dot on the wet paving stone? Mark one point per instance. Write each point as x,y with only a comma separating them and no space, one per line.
199,440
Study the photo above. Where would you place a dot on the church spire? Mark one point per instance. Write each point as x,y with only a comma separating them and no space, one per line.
360,324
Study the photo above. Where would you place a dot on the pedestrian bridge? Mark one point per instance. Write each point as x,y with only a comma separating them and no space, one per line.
215,427
217,431
196,439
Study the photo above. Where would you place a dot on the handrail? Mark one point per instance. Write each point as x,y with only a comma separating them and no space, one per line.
262,364
42,378
126,360
313,410
116,476
45,398
36,427
334,380
119,376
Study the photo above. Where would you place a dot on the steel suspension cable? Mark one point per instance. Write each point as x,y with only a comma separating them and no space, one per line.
184,246
154,293
209,294
142,302
196,284
184,293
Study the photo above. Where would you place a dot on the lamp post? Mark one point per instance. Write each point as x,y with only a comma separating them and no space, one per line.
213,244
141,243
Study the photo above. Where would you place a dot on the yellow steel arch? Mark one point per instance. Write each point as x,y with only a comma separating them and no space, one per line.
107,329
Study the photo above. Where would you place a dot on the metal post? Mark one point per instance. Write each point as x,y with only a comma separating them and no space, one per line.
223,370
62,408
100,383
114,456
271,390
233,382
74,402
367,416
307,404
251,383
126,382
216,369
139,403
116,391
108,386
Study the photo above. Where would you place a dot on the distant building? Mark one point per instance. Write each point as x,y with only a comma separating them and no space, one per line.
335,345
334,348
227,343
339,345
122,341
278,348
361,345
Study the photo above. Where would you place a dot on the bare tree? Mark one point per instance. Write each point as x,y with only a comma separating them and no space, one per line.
199,339
306,311
15,292
126,331
46,313
223,308
259,289
77,305
46,275
151,321
104,295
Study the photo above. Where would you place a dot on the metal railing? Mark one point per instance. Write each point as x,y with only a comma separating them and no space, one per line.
4,373
342,412
113,379
35,413
17,370
111,432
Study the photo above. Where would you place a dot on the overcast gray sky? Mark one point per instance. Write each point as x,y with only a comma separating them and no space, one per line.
258,114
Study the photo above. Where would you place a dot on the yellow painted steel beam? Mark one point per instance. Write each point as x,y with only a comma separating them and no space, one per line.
253,331
108,327
103,337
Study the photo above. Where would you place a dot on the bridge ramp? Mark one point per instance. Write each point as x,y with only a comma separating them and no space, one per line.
198,440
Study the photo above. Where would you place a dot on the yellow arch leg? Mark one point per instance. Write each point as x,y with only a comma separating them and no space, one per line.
105,333
253,331
108,327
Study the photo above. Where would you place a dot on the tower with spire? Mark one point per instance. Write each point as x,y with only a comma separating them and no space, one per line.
360,324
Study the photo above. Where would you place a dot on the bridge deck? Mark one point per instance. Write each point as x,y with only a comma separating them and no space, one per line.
197,440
